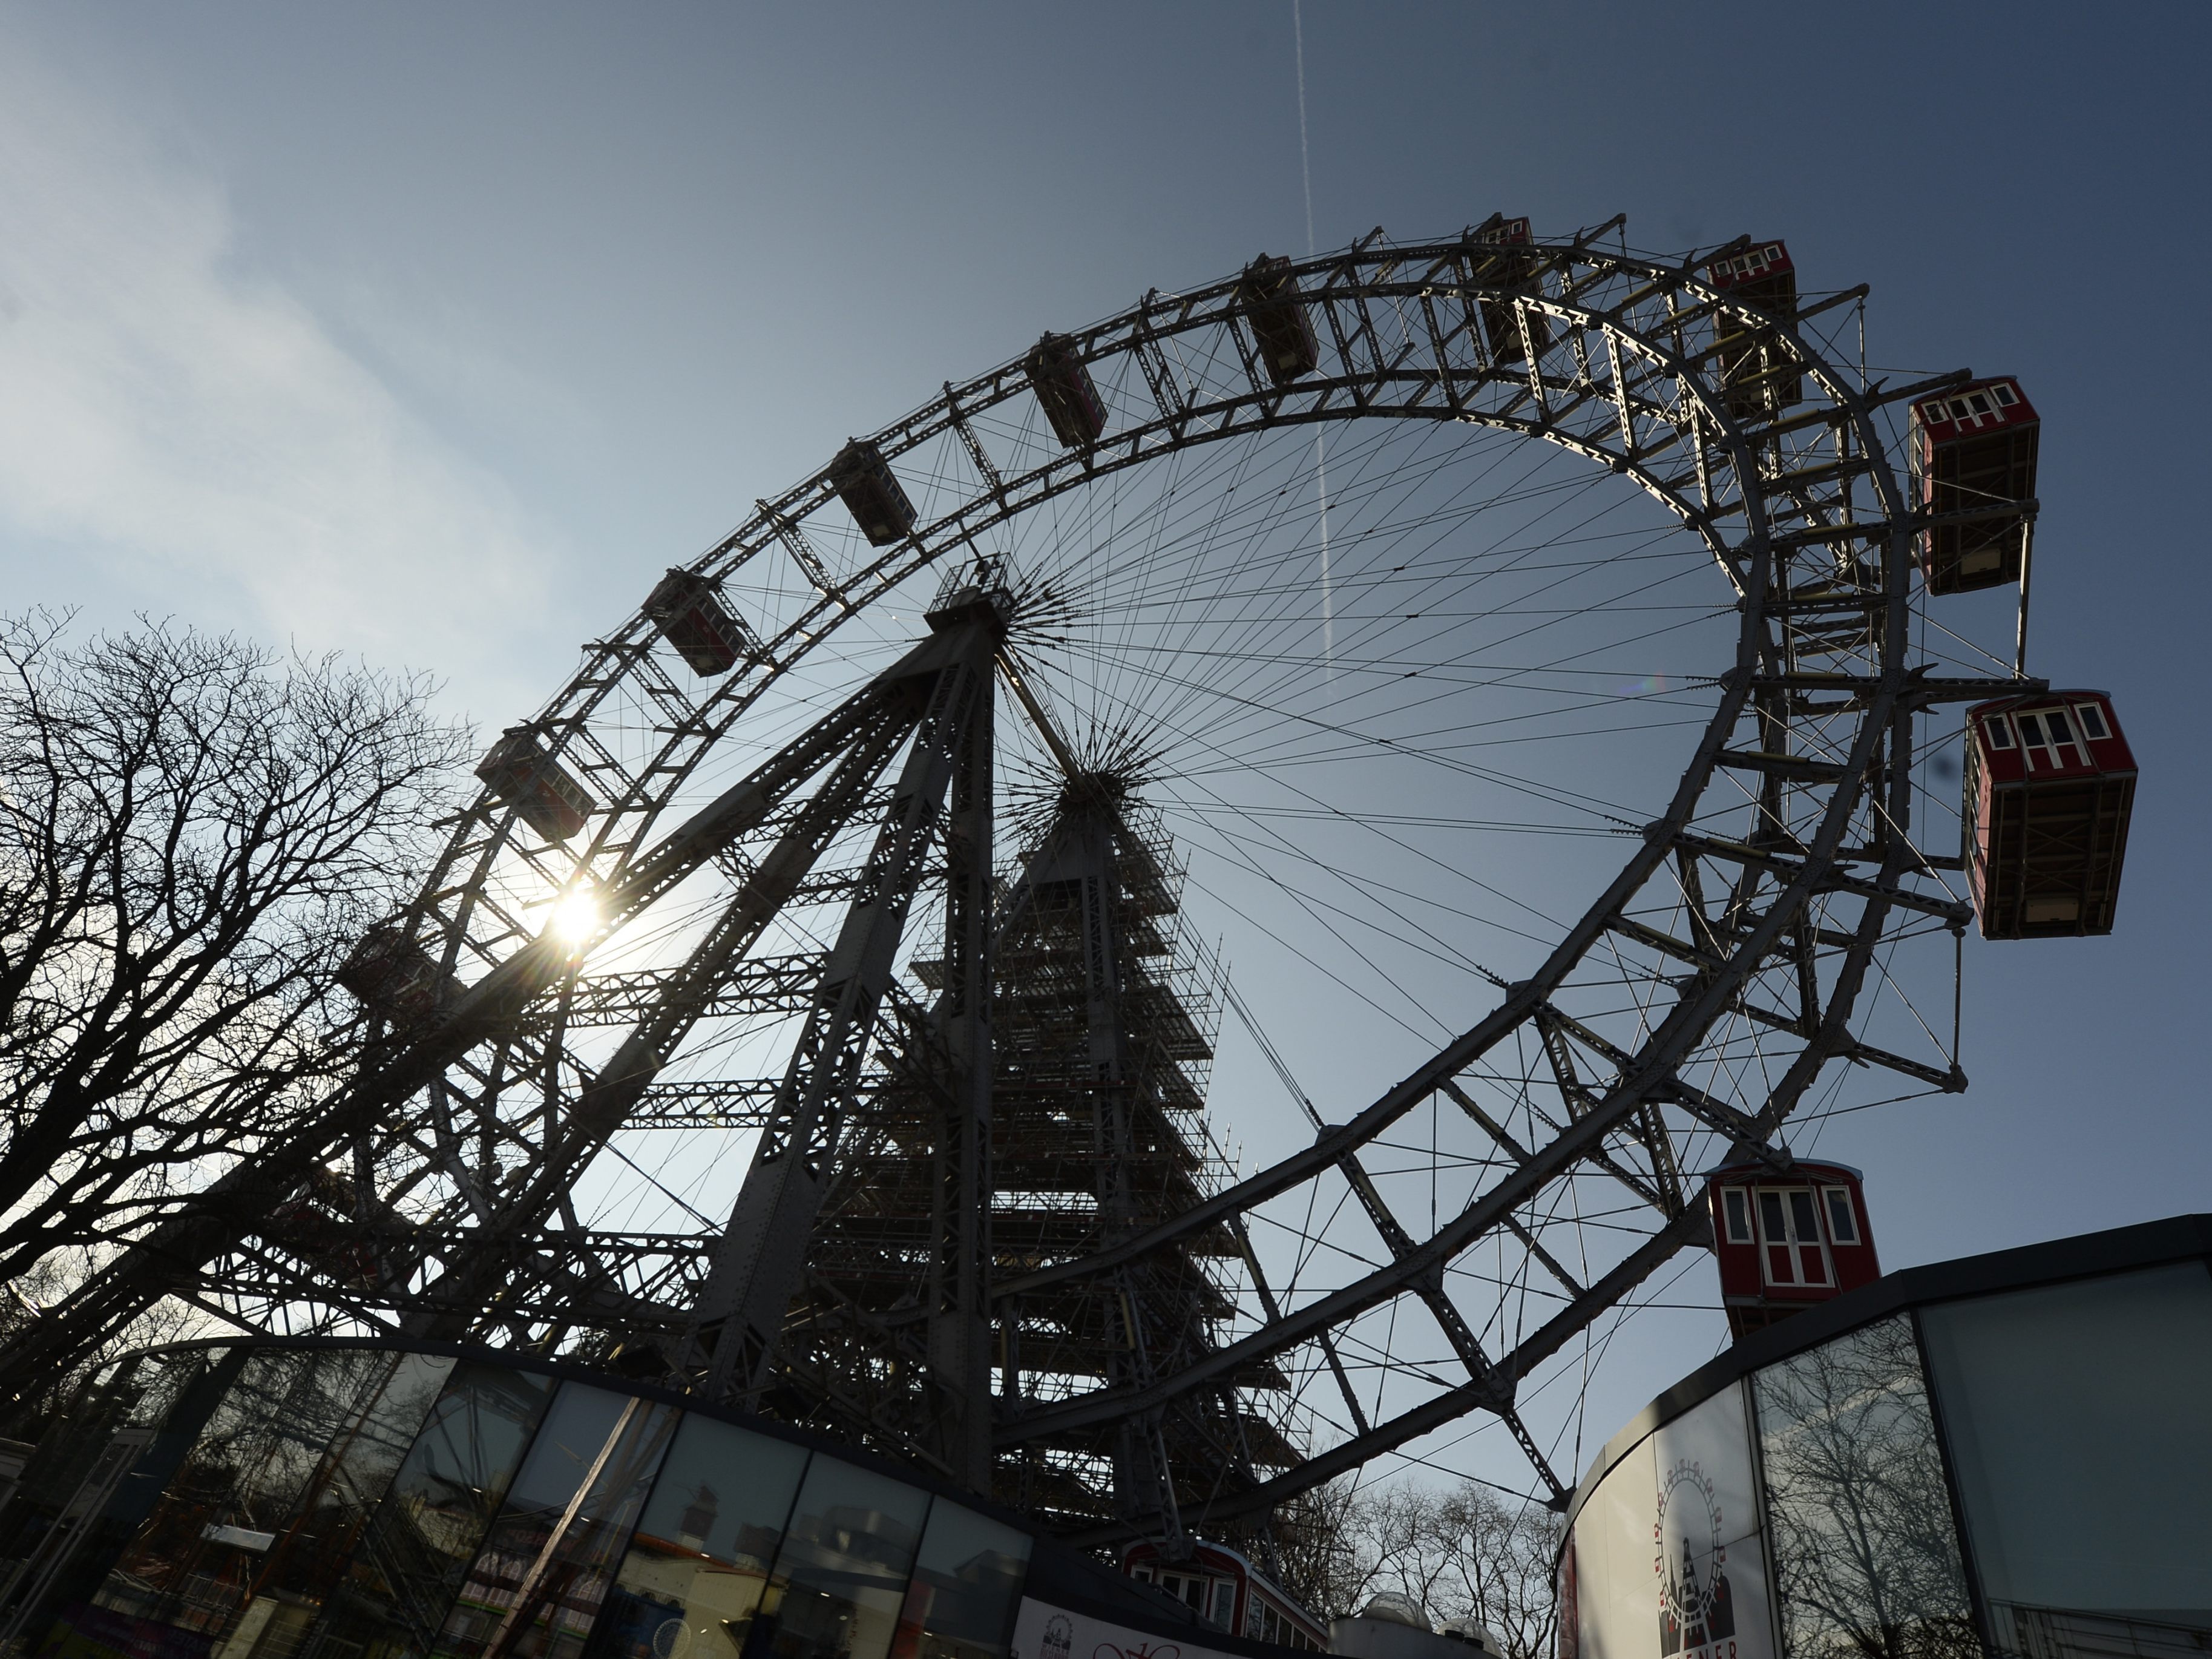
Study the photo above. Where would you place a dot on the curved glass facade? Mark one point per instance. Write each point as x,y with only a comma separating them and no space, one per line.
264,1501
2025,1470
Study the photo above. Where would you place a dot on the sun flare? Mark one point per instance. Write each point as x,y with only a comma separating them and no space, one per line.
575,917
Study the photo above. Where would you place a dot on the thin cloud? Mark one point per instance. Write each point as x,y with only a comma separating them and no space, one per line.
183,423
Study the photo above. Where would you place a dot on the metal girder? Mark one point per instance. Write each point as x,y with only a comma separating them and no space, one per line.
705,1103
1783,488
704,984
739,1313
1691,1226
235,1204
804,555
1654,1068
959,1331
759,984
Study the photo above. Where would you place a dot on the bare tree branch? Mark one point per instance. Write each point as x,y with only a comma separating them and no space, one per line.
193,831
1461,1552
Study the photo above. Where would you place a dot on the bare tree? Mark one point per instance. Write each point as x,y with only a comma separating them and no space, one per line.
1314,1549
193,831
1459,1551
1866,1554
1498,1567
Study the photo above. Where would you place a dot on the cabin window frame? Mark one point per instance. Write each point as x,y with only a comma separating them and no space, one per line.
2083,712
1836,1202
1791,1244
1997,731
2050,746
1736,1208
1222,1609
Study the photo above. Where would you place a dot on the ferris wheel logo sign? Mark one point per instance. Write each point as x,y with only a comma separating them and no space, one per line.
1697,1614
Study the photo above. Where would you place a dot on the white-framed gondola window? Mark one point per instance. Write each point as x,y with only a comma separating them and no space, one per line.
1843,1220
2046,738
2094,726
1735,1214
1999,730
1791,1251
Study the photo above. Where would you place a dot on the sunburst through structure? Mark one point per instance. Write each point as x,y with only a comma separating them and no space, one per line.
1569,828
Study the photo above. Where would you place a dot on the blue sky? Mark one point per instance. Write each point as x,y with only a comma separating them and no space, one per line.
430,333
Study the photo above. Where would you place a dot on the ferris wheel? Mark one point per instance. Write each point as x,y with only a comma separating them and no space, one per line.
1191,912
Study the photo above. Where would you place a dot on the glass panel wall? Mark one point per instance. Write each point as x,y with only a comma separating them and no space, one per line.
192,1565
130,1483
693,1578
417,1548
539,1580
967,1587
841,1578
311,1556
59,1513
2077,1421
271,1502
1864,1554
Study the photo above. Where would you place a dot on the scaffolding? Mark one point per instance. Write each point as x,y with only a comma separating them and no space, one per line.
1103,1019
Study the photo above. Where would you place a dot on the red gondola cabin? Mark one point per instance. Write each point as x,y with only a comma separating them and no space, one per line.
872,495
1269,289
1787,1239
1508,262
2050,785
684,607
1972,455
318,1225
1063,384
1758,373
521,774
1229,1593
388,972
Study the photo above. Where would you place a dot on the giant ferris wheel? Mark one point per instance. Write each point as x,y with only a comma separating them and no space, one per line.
1189,914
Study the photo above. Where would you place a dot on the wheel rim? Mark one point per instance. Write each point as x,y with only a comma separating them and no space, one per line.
1798,508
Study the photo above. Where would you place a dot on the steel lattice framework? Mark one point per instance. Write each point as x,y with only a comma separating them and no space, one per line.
1746,916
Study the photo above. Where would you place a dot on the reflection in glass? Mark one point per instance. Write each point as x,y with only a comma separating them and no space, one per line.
188,1570
1865,1556
417,1546
538,1582
2077,1421
966,1586
841,1578
307,1560
59,1505
693,1578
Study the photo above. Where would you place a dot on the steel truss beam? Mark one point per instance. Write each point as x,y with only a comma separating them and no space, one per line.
1617,361
738,1319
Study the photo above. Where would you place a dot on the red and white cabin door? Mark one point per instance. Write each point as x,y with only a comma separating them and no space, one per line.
1790,1246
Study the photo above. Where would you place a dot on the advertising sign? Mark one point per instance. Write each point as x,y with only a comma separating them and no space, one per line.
1044,1631
1708,1570
1666,1561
